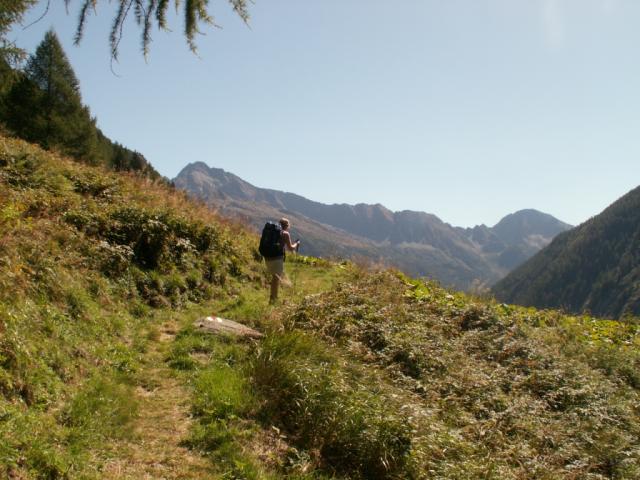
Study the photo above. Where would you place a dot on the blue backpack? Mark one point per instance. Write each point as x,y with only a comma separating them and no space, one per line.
271,245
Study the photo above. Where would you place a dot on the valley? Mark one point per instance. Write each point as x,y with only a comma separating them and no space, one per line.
418,243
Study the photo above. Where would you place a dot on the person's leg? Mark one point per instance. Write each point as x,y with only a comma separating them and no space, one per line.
275,281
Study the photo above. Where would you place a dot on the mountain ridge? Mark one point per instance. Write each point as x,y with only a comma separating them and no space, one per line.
600,256
418,243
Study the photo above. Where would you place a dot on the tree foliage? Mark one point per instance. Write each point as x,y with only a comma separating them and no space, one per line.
148,13
45,106
120,158
11,12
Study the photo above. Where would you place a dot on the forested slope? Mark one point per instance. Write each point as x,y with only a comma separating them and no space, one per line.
594,267
42,103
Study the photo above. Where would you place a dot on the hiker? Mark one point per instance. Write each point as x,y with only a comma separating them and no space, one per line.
275,261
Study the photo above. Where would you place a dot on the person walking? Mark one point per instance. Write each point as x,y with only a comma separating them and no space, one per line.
275,265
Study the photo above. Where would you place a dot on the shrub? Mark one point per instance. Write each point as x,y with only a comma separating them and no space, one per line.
114,260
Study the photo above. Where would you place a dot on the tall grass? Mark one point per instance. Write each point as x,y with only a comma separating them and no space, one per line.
343,414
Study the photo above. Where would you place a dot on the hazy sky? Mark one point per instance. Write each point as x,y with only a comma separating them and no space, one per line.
468,109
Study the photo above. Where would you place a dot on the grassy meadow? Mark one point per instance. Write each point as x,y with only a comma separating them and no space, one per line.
362,373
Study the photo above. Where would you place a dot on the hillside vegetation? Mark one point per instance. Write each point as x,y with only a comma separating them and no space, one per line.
86,260
361,374
594,267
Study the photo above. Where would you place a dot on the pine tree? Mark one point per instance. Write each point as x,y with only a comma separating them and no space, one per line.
19,109
11,12
45,105
6,80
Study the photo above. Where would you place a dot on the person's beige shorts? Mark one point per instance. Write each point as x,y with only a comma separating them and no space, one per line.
275,266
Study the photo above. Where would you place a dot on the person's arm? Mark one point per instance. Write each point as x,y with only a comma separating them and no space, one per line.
287,242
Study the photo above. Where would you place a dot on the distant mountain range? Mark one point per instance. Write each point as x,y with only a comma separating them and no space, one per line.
416,242
594,267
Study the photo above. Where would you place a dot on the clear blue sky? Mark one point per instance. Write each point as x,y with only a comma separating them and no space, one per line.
468,109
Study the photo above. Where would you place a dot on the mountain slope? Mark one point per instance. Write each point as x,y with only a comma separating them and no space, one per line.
416,242
89,261
594,267
360,374
517,237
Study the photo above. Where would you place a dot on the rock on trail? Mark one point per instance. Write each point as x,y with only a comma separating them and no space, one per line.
218,325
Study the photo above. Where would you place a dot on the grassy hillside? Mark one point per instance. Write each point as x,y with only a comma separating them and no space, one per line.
87,259
361,374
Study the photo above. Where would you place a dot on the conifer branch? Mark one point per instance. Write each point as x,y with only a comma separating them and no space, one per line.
44,14
146,31
161,13
118,26
241,9
138,11
82,18
195,13
190,23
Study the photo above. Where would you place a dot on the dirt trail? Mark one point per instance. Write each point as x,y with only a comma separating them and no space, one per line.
155,450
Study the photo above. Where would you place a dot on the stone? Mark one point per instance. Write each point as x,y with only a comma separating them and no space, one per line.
218,325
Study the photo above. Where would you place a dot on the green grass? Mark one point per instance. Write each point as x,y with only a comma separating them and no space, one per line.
220,371
346,415
89,261
102,408
361,374
513,384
